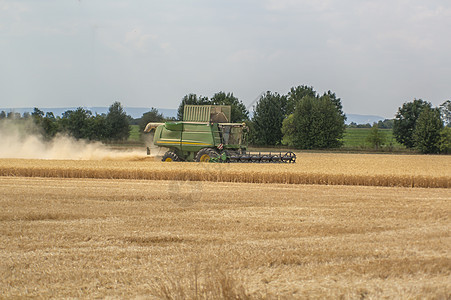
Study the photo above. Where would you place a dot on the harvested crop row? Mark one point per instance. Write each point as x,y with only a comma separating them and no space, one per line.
328,169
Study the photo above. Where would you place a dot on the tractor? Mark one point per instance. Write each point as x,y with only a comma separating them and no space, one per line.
207,135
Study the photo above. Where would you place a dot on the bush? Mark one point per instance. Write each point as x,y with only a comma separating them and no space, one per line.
376,138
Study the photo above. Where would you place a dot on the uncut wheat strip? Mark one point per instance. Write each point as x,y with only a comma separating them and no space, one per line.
239,173
249,177
229,175
362,165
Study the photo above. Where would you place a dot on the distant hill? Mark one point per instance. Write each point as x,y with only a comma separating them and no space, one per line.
137,112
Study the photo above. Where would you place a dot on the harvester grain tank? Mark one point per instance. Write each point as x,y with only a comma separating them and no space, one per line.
207,135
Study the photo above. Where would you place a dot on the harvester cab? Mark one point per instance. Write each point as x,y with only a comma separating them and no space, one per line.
207,135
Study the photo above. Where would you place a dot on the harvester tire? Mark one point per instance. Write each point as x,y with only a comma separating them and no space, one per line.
205,154
170,156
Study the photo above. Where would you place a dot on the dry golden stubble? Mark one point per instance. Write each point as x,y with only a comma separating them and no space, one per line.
128,238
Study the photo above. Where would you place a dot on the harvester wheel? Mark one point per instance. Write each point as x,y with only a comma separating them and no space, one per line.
205,154
170,156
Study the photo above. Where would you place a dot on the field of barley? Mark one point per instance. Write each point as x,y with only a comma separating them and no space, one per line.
331,226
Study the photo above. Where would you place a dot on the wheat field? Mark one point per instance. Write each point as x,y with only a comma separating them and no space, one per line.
311,168
96,229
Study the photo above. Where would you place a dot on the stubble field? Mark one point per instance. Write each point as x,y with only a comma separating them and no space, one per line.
104,229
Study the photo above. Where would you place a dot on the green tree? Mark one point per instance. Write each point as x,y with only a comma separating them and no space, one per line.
97,128
445,111
376,138
288,130
117,123
76,123
49,125
239,112
249,136
269,114
191,99
296,94
385,124
316,123
151,116
445,140
37,116
405,120
426,134
302,118
2,114
132,121
337,102
37,113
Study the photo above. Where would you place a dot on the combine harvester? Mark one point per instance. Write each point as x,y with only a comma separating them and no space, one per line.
206,135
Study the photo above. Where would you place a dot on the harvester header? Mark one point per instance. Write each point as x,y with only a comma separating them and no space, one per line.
206,134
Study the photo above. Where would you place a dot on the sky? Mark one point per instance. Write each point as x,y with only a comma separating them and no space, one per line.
374,54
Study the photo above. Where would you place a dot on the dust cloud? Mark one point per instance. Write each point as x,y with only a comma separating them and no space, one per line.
18,141
154,151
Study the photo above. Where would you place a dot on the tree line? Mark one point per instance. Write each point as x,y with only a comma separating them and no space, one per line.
417,125
382,124
79,123
305,119
302,119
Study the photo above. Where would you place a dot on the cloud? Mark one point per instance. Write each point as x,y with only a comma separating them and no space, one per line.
246,56
11,15
298,5
138,40
14,7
